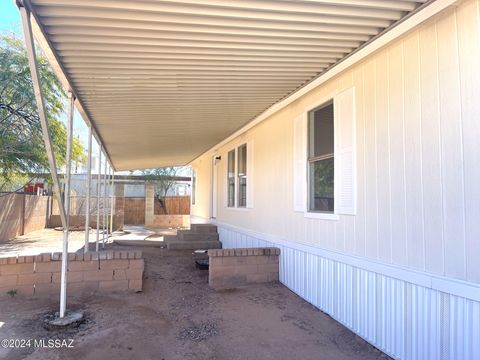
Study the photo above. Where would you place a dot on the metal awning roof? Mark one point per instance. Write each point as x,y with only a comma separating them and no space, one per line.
162,81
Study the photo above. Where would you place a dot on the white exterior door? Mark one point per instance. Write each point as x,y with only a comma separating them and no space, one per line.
214,187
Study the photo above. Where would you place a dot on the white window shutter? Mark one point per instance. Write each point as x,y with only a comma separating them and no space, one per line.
250,169
345,156
300,163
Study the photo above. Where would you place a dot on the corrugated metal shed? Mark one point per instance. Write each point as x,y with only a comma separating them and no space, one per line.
162,81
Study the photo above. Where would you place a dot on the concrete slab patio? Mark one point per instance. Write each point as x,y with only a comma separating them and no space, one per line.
178,316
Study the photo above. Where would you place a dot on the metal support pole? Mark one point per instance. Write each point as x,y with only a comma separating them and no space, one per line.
68,170
112,198
99,181
89,186
104,225
39,98
107,203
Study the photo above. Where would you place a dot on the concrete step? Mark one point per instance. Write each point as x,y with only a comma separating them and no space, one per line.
193,245
195,236
203,228
168,238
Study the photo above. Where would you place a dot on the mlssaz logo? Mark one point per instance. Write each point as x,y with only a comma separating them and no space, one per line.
53,343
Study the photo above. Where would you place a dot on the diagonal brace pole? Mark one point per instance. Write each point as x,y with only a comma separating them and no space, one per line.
39,98
32,61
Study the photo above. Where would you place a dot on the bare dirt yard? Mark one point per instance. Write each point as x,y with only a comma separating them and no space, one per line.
177,316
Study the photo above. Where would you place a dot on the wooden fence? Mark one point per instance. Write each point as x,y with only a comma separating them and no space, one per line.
135,208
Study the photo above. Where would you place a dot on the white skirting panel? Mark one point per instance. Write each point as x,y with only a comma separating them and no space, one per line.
405,320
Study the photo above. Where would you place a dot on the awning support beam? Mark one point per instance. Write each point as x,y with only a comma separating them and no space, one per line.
104,222
112,198
99,182
89,187
68,170
39,98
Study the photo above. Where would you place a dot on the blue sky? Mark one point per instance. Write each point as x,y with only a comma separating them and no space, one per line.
9,16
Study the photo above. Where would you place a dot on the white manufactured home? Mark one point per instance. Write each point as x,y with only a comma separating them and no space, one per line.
344,132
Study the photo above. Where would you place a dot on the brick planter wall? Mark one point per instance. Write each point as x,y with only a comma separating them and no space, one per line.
237,267
39,275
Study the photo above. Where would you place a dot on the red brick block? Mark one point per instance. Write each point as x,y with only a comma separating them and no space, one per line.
72,277
135,285
33,279
3,261
114,285
8,280
114,264
83,265
15,269
272,259
134,274
98,275
268,268
215,261
119,275
136,264
46,257
48,267
12,260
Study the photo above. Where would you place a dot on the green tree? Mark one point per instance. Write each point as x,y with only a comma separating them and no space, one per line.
22,150
164,179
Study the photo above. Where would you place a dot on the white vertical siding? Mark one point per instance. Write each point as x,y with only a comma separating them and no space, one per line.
403,319
417,152
468,15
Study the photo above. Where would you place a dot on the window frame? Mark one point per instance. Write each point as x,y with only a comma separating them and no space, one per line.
308,213
194,186
236,191
311,160
228,177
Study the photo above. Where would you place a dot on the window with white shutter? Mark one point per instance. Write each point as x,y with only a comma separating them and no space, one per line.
324,158
239,189
345,156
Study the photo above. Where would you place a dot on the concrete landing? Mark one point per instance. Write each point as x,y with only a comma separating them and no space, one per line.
199,236
136,236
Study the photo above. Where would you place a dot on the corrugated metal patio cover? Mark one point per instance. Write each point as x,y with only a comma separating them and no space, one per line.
165,80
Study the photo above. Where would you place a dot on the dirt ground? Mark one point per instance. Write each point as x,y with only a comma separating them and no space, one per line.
46,240
178,316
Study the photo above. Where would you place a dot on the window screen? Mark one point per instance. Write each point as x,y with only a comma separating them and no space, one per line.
231,178
242,175
321,159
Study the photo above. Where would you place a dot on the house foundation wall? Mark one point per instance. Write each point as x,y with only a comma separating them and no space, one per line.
406,314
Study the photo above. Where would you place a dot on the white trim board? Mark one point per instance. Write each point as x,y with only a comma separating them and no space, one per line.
427,12
440,283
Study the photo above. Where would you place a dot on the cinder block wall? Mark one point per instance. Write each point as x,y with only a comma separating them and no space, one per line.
39,275
230,268
20,214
